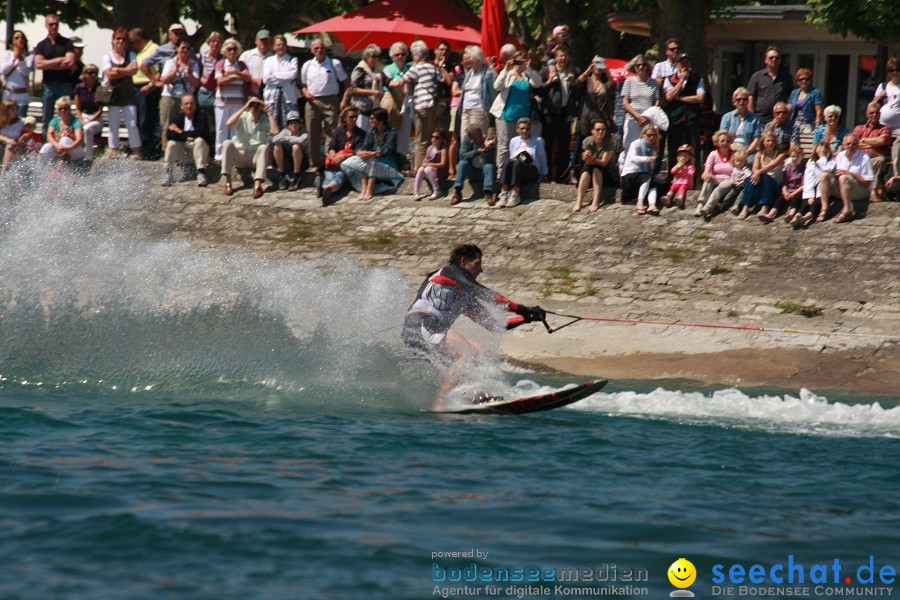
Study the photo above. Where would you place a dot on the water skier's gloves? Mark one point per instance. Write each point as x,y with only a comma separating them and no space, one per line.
534,314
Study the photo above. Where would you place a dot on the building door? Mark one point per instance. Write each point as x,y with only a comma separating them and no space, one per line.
837,85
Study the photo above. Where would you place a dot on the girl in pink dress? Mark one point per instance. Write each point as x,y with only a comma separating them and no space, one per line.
682,176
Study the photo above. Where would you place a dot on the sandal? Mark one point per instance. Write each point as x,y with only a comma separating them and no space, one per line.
229,189
653,211
641,211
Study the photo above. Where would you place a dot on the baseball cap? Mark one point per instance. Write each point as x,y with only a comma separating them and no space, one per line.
293,115
263,34
684,55
76,41
176,27
29,121
559,29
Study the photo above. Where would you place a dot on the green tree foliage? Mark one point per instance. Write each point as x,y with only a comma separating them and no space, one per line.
872,20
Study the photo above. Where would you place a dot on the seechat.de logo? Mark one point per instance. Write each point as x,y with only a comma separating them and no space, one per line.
682,574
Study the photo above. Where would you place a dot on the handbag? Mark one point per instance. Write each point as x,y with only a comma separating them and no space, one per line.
103,94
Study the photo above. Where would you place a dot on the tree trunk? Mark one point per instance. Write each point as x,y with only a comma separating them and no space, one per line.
687,21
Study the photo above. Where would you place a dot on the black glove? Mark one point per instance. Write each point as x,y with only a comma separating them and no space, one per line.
534,314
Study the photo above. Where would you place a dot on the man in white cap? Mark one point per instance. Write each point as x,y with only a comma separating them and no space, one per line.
295,140
255,57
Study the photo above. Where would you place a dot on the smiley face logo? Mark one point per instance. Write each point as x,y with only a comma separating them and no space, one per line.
682,573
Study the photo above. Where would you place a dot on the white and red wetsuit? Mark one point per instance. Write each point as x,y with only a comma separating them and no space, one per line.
442,298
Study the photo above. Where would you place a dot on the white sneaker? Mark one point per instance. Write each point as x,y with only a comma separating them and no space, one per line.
417,196
202,181
501,199
513,200
434,196
170,178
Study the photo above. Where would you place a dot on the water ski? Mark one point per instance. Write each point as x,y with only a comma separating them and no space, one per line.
518,406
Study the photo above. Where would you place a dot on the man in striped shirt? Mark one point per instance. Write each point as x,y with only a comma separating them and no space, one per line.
424,77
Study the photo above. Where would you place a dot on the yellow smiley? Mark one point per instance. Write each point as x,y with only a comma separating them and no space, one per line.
682,573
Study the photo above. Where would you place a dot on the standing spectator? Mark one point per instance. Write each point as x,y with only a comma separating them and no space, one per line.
78,67
684,92
396,101
86,108
423,76
206,95
661,72
851,180
11,126
527,163
832,131
279,73
558,104
118,67
888,96
292,140
638,94
806,106
64,134
255,59
366,86
769,86
347,139
741,123
478,92
232,85
443,94
875,141
188,137
323,81
477,157
515,84
597,101
180,76
55,56
15,67
148,94
596,156
247,149
152,67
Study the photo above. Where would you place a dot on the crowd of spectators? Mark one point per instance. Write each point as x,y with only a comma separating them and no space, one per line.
502,122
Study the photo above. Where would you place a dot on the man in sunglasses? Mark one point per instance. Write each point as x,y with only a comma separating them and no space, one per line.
769,86
662,71
55,56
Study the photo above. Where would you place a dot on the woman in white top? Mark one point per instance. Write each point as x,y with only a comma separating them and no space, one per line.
279,73
118,67
180,77
638,94
15,66
232,80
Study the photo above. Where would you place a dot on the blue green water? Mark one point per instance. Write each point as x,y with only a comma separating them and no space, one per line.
177,423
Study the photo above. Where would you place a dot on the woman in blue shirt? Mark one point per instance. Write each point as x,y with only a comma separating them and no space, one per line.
806,104
515,85
376,161
741,123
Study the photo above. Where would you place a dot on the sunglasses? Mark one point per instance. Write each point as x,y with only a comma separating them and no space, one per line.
741,100
90,72
641,66
673,49
803,79
231,49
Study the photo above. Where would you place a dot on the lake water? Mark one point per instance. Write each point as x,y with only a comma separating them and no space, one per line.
179,423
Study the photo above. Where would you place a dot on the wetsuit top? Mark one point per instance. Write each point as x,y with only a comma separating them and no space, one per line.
452,291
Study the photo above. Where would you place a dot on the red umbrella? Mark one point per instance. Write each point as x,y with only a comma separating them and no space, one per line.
617,71
388,21
492,17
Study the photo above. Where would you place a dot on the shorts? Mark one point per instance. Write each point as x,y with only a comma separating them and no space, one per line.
423,333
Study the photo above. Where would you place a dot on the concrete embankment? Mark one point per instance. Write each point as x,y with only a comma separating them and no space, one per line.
841,281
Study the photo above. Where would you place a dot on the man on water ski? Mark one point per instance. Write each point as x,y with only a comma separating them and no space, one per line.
442,298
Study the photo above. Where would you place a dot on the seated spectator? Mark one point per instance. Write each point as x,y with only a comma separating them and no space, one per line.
374,167
86,108
716,169
637,171
188,137
477,158
780,128
10,130
832,131
682,176
811,203
64,133
596,153
728,190
434,166
806,104
527,163
247,148
741,123
875,141
762,190
30,141
792,186
852,178
892,188
293,140
347,138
